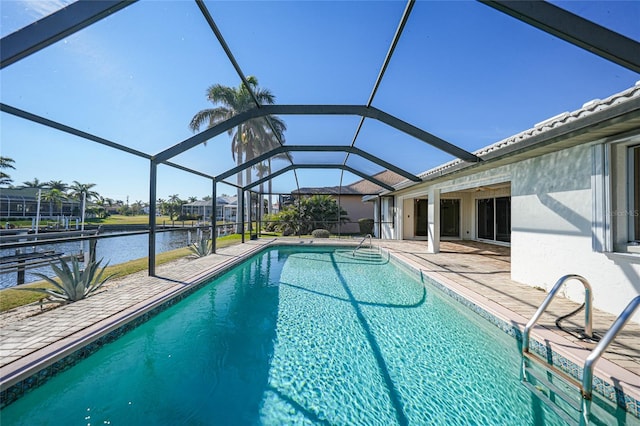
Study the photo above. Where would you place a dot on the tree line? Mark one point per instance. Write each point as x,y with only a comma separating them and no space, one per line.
56,192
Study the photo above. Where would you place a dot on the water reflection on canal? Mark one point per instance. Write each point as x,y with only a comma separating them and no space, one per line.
114,250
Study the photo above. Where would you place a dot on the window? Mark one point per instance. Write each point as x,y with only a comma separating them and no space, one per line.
388,211
494,219
616,196
503,219
450,218
420,217
634,194
485,218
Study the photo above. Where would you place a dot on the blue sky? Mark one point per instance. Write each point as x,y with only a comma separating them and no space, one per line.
462,71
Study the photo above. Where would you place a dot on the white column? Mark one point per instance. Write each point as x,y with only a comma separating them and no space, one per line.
433,218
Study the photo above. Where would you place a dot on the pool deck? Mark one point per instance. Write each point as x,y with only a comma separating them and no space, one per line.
479,272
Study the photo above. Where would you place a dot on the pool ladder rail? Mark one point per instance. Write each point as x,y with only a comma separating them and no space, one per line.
367,253
577,395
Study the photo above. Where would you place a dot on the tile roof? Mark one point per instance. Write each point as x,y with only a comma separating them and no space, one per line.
587,109
219,201
361,187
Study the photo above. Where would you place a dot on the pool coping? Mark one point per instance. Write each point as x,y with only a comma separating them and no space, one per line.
610,380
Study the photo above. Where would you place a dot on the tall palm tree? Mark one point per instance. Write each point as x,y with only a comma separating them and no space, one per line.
282,156
6,163
248,139
83,191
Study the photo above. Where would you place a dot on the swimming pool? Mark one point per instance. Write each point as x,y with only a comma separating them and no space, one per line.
298,336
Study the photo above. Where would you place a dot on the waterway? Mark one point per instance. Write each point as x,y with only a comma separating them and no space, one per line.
113,250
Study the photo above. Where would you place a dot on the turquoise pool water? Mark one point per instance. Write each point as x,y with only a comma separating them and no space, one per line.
298,337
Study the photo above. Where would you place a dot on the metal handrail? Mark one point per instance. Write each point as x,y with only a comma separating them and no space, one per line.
586,387
607,339
588,299
361,242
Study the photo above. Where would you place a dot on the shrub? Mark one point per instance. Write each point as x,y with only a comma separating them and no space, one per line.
366,226
320,233
201,248
75,284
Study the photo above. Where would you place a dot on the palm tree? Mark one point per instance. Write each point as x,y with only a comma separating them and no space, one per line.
102,203
6,163
78,190
162,206
175,206
35,183
282,156
83,192
57,184
262,170
138,207
248,139
54,196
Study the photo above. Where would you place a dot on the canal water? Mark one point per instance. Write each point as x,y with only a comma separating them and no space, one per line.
114,250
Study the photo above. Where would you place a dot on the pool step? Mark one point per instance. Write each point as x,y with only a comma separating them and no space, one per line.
557,389
367,253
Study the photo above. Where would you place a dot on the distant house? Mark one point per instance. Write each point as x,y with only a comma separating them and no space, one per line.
350,198
226,209
23,203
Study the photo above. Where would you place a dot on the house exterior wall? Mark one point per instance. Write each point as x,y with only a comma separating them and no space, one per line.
356,209
553,223
552,231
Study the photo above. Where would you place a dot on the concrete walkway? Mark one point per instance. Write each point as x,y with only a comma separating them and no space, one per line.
479,272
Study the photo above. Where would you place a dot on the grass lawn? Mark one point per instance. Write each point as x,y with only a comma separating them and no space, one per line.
11,298
118,219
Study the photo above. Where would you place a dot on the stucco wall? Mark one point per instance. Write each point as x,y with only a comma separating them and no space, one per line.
551,235
356,209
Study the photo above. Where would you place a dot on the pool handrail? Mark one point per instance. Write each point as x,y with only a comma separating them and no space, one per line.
607,339
361,242
588,301
586,385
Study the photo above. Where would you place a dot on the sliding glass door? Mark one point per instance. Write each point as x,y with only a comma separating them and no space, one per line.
494,219
450,218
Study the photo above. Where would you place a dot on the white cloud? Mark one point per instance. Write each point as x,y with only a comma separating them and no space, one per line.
40,8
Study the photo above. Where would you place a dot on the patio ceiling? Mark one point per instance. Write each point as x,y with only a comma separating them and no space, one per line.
344,135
